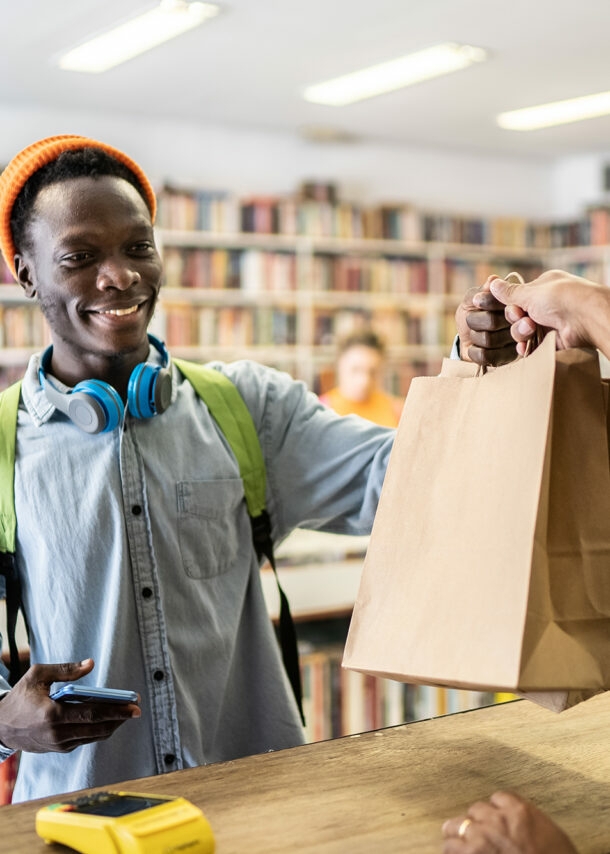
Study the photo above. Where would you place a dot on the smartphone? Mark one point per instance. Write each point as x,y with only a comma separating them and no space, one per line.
86,694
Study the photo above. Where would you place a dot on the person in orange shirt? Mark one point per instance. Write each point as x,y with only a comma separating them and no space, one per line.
358,392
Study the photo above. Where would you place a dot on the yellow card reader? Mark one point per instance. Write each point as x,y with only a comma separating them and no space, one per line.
126,823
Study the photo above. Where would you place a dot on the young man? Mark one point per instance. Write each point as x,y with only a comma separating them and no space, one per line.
134,547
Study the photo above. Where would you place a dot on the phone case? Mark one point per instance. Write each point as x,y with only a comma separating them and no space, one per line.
87,694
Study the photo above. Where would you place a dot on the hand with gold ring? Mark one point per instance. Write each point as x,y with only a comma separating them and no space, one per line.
505,824
464,827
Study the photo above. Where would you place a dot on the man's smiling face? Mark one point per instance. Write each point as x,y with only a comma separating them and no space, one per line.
91,261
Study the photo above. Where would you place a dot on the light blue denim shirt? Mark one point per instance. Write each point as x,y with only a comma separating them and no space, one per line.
134,547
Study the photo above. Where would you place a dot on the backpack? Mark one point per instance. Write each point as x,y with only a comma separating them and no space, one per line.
232,416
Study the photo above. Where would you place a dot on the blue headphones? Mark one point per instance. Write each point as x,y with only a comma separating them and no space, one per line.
96,407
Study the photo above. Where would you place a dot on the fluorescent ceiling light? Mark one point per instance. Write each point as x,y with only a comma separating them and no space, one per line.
169,19
388,76
557,113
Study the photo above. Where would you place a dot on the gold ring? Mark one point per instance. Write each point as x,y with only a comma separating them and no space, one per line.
464,827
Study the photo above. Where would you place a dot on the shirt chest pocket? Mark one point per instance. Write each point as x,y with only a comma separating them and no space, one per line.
207,525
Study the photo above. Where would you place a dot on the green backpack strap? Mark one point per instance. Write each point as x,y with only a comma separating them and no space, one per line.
9,405
229,410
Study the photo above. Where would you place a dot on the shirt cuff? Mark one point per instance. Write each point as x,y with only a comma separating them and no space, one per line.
5,752
455,350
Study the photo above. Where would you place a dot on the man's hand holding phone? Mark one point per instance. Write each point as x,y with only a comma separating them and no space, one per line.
31,720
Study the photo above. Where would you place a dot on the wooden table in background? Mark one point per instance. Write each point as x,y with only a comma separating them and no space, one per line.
389,791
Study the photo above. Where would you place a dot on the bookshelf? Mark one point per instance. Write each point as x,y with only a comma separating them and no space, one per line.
284,299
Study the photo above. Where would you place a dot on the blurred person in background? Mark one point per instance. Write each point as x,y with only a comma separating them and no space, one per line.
360,361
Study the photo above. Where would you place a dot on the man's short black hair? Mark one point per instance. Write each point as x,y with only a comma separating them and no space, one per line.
88,162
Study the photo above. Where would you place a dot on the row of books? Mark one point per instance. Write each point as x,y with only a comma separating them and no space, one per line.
223,212
295,214
460,276
369,275
230,326
248,270
23,326
338,702
397,327
200,210
592,229
254,270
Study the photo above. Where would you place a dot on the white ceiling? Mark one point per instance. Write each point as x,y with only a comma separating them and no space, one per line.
248,66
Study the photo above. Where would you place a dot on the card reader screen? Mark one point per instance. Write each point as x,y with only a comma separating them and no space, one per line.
112,805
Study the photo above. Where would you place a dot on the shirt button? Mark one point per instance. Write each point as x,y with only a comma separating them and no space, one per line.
169,758
136,509
158,675
146,592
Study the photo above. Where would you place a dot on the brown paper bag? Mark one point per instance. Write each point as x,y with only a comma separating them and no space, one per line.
489,560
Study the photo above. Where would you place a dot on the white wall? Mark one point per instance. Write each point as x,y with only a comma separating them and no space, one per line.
578,181
250,161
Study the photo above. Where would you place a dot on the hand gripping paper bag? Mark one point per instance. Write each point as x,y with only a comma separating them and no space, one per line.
489,560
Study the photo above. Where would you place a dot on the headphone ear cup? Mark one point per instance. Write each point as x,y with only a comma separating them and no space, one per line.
149,390
95,406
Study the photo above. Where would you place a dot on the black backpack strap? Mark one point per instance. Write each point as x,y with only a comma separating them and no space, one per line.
8,569
9,405
261,536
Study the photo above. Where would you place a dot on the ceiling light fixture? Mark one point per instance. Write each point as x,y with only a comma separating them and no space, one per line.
169,19
557,113
395,74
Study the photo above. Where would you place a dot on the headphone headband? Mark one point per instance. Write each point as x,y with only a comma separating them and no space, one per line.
96,407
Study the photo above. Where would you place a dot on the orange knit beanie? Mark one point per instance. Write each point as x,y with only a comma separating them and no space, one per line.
33,158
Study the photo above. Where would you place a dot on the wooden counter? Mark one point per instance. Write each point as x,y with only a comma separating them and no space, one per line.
389,791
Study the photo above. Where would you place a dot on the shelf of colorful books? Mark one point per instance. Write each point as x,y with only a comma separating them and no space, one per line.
253,262
297,330
339,702
23,331
590,262
320,574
